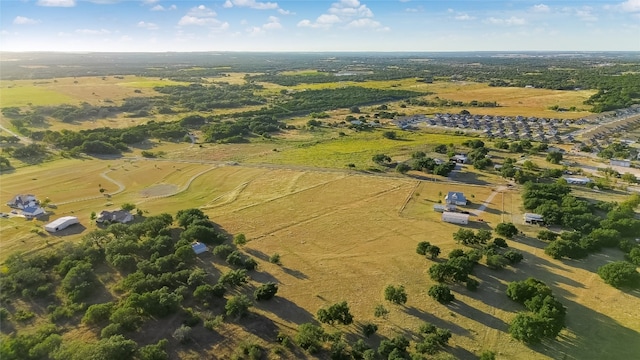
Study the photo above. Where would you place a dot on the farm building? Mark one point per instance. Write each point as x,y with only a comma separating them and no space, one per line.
455,218
577,180
618,162
455,198
443,208
23,201
199,248
61,223
120,216
531,218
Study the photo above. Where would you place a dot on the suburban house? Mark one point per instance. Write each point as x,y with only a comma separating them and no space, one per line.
61,223
31,212
619,162
23,201
534,219
455,218
199,248
118,216
455,198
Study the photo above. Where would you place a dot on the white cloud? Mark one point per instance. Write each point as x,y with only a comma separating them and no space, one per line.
585,14
93,32
509,22
21,20
148,26
201,11
464,17
57,3
203,16
162,8
252,4
630,6
364,23
273,24
345,12
149,2
540,8
285,12
255,31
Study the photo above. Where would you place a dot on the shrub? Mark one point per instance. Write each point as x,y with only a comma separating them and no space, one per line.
266,291
441,293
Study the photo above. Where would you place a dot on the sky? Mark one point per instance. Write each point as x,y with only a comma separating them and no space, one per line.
319,25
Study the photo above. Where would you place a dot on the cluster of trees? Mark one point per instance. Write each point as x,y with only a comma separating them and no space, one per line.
621,274
420,162
545,317
429,341
589,229
618,151
199,97
158,277
457,268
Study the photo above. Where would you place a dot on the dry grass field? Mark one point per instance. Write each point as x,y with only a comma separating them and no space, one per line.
345,236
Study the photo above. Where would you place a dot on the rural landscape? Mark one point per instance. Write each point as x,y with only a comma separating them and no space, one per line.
320,205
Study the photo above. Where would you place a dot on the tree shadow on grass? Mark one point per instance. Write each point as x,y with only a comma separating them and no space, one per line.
486,319
591,335
286,310
424,316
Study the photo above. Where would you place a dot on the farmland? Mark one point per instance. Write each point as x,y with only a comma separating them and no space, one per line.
323,194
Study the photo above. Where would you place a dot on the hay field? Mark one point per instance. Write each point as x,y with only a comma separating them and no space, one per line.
345,236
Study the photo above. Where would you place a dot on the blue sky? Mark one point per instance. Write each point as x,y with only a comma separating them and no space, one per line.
318,25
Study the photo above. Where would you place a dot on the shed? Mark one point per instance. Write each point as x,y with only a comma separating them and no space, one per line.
61,223
455,218
531,218
618,162
456,198
577,180
199,248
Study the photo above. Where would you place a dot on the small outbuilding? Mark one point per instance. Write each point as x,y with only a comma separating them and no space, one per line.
442,208
61,223
455,198
577,180
199,248
455,218
534,219
619,162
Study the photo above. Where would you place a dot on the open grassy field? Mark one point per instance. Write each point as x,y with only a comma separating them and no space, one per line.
92,90
345,236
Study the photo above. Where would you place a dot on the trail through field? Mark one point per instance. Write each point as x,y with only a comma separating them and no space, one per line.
120,186
489,199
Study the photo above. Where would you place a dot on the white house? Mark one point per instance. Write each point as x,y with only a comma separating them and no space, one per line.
531,218
455,198
120,216
199,248
619,162
455,218
23,201
61,223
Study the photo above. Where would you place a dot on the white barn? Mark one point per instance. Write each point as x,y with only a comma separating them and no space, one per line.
531,218
61,223
455,218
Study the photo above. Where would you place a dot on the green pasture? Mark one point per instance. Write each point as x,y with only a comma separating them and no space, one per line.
20,95
356,148
149,83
